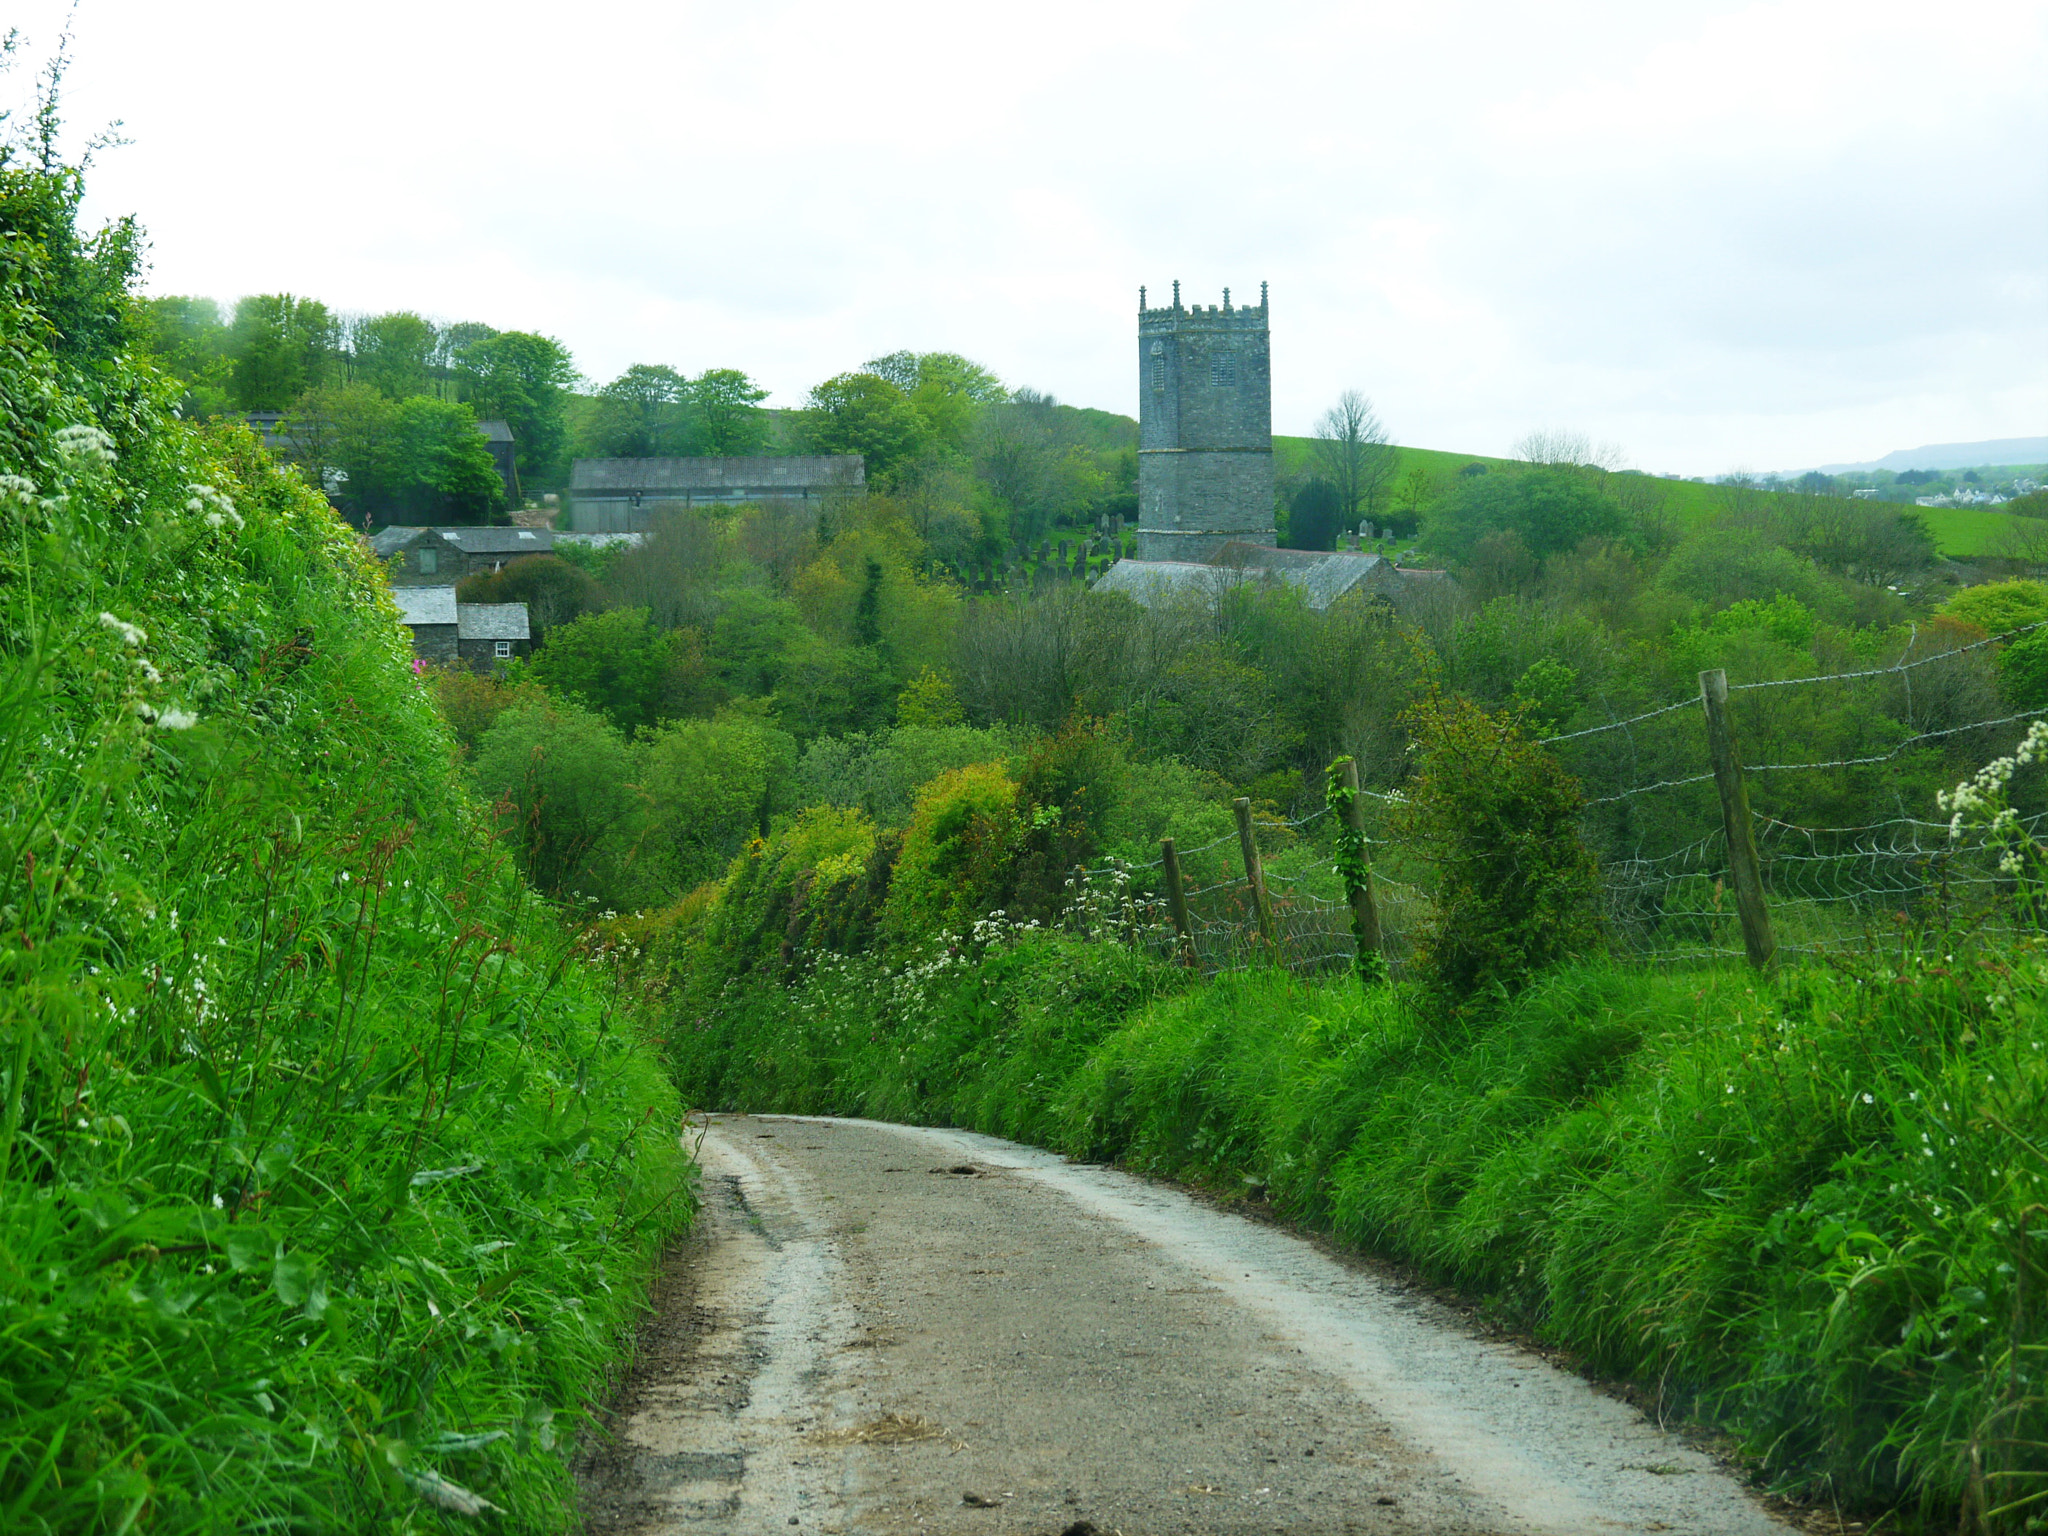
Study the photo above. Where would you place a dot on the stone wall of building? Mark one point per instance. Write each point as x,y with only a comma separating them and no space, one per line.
1205,428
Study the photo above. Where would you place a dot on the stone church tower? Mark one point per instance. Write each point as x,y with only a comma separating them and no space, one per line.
1205,428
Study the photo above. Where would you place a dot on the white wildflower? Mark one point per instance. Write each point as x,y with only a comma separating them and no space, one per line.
14,488
130,634
176,720
85,442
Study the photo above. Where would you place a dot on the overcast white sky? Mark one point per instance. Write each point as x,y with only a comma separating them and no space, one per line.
1759,235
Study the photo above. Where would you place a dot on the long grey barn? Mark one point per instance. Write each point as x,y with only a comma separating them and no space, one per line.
620,495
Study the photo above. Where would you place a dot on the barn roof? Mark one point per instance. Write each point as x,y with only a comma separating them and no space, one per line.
491,621
425,605
797,473
1321,576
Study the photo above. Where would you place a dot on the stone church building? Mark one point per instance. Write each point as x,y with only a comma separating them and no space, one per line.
1205,428
1205,472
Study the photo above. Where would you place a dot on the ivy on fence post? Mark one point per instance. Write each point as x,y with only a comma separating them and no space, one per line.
1354,869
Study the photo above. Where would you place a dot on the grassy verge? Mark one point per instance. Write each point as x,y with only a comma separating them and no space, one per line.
1805,1208
330,1171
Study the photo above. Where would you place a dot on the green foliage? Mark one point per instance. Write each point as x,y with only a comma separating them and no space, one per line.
866,414
281,345
188,339
752,639
1998,607
619,665
1314,513
1725,566
1497,818
1354,868
327,1174
652,411
525,379
81,287
415,460
929,701
962,830
564,781
882,772
1551,510
711,784
555,588
778,886
2023,671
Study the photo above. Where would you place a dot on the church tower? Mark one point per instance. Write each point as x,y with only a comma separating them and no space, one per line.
1205,428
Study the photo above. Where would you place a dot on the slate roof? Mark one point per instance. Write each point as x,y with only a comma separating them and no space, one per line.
471,541
425,605
1322,576
715,476
1147,582
495,431
491,621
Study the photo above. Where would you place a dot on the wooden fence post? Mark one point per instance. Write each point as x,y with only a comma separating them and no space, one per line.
1365,912
1254,872
1742,864
1177,901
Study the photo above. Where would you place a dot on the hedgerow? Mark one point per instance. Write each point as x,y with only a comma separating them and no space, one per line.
330,1176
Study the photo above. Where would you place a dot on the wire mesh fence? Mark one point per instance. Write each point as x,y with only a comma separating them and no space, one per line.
1824,751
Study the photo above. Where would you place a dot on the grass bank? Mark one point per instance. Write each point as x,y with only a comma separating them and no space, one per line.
330,1172
1805,1209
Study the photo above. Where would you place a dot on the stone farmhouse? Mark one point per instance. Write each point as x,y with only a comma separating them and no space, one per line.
477,634
429,557
622,495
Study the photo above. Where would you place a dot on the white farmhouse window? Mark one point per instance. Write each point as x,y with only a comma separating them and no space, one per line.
504,648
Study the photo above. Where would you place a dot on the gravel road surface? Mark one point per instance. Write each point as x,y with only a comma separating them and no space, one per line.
883,1329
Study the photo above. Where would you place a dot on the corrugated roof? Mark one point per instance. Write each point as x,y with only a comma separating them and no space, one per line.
766,476
425,605
491,621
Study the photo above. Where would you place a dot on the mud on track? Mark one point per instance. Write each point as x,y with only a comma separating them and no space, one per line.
883,1329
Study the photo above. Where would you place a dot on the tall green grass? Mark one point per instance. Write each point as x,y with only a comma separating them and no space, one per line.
331,1173
1808,1209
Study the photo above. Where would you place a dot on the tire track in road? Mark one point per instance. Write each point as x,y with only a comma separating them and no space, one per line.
891,1329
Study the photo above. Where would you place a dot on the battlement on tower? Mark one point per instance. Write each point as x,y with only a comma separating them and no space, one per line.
1212,317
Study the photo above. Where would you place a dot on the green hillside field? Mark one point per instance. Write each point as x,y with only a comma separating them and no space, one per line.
1959,532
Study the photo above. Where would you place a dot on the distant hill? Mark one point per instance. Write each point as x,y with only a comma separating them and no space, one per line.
1991,453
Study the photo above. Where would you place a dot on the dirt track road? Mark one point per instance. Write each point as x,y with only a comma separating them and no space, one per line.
879,1329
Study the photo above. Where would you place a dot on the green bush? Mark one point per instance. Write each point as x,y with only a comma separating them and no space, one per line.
1498,819
961,833
1999,606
